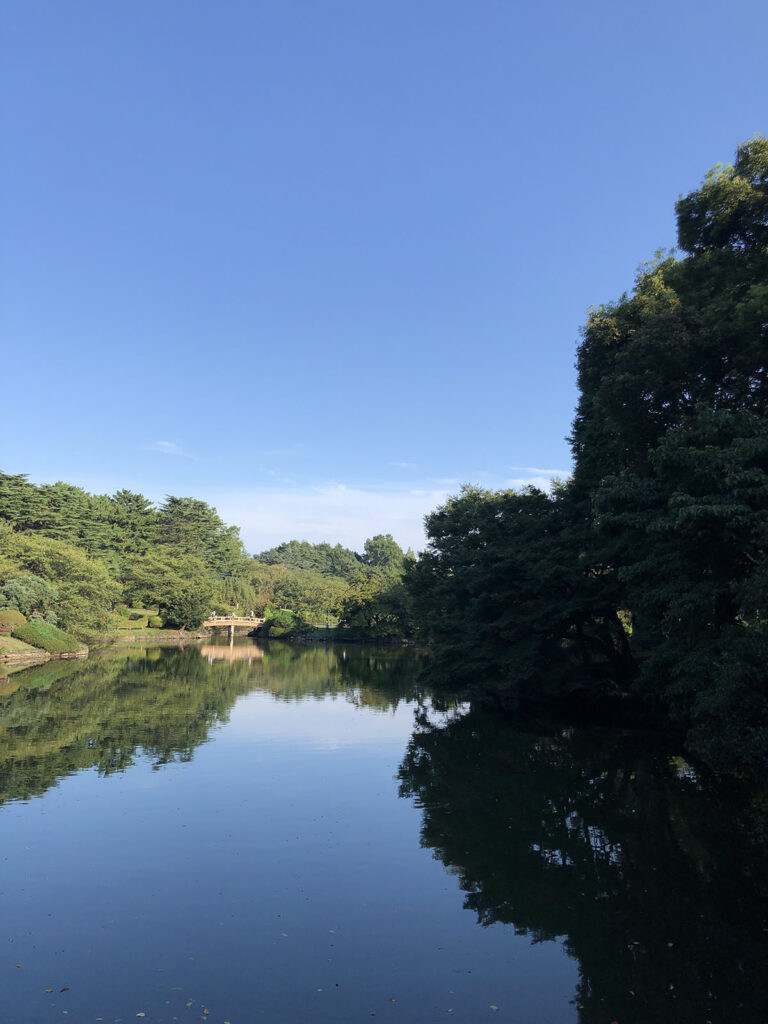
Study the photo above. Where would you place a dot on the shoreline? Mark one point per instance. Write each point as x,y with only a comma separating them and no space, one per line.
28,658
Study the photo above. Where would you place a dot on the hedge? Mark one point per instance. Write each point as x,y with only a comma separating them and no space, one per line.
50,638
10,618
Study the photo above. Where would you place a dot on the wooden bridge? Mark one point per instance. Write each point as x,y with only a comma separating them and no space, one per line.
232,621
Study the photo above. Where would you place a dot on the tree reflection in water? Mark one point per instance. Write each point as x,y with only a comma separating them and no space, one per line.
162,702
653,877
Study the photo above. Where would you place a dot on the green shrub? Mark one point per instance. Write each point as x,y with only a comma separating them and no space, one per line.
122,611
28,594
155,622
50,638
281,622
10,618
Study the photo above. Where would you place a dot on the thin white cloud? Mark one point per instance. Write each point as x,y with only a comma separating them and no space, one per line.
335,512
537,471
544,483
169,448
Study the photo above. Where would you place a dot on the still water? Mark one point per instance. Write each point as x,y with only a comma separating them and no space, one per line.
295,834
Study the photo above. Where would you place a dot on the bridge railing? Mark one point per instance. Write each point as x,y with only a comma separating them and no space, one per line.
213,617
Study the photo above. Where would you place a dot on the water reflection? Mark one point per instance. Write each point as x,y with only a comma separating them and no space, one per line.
163,702
231,652
654,879
650,875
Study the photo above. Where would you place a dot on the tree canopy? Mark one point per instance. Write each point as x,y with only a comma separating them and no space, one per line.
646,572
180,558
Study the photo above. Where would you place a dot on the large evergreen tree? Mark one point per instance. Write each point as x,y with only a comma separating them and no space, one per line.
663,529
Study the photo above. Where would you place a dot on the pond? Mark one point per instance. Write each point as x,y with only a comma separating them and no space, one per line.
295,833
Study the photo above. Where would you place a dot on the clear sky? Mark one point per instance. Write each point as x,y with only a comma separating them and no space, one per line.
320,262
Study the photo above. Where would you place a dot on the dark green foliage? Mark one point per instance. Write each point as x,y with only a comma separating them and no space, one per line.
651,869
20,502
180,586
664,526
507,592
187,605
47,636
730,210
379,609
194,528
327,559
11,618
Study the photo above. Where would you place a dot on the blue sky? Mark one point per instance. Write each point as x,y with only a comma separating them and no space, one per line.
318,263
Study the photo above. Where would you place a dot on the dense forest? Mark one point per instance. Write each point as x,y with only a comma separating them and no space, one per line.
641,580
81,561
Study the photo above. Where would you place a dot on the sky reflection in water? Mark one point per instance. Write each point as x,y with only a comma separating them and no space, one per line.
227,836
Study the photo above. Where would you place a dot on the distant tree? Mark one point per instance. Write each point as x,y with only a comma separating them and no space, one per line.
327,559
178,584
28,594
378,608
86,591
20,502
384,556
134,522
195,528
280,622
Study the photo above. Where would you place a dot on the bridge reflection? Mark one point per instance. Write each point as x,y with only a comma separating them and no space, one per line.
245,652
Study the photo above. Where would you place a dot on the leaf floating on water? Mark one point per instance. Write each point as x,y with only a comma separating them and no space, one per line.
494,1008
49,990
18,965
64,988
141,1014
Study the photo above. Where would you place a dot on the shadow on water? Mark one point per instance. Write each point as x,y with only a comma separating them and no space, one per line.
163,702
652,876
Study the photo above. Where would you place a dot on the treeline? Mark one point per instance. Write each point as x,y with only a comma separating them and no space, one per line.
644,576
81,560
